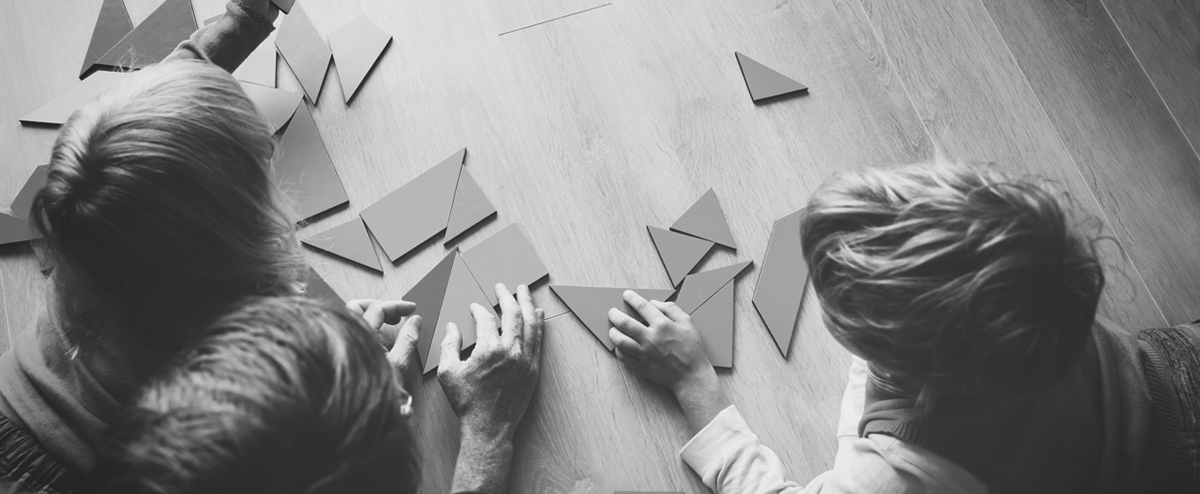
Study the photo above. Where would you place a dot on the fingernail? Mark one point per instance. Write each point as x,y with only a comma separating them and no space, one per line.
475,305
451,325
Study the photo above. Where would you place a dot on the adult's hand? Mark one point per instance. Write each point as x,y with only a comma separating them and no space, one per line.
400,341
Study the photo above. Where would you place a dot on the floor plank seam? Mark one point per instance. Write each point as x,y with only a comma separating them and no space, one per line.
7,321
589,9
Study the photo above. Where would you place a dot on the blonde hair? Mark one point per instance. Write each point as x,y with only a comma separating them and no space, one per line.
955,279
159,208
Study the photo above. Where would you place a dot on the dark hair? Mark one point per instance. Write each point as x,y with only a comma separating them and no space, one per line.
281,396
953,277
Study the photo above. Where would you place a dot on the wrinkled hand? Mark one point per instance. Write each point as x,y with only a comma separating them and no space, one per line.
666,350
400,341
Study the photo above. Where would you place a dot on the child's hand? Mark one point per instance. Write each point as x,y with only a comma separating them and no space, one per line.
264,8
666,350
401,342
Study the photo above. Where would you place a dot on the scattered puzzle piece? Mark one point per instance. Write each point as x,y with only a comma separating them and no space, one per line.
284,5
276,105
320,290
469,209
152,40
714,321
781,281
58,110
348,241
24,199
505,257
445,295
356,47
304,51
706,220
418,210
765,84
699,287
304,171
15,230
679,253
111,26
591,304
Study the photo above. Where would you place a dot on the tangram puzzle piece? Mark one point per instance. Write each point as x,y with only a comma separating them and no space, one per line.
276,105
320,290
304,171
417,211
505,257
470,207
59,109
781,281
14,230
284,5
111,26
591,304
714,320
445,295
698,288
348,241
764,83
679,253
259,66
706,220
356,47
304,51
152,40
24,199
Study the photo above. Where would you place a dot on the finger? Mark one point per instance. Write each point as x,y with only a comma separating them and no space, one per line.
650,313
628,325
405,347
511,321
486,333
533,326
672,310
624,344
534,337
394,310
359,306
451,346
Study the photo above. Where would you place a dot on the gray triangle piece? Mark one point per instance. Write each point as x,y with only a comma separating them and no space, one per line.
277,106
152,40
356,46
111,26
591,304
428,294
764,83
24,199
418,210
348,241
59,109
698,288
15,230
304,51
505,257
679,253
445,295
781,281
304,171
470,207
284,5
318,289
706,220
714,321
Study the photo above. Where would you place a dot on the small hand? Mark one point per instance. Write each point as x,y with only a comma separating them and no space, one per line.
666,350
401,342
264,8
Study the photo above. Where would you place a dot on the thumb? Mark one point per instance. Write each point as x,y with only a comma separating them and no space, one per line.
401,354
451,346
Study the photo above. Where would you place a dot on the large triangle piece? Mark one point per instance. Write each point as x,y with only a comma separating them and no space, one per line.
418,210
764,83
714,321
698,288
304,51
679,253
470,207
505,257
111,26
318,289
461,292
356,47
428,294
781,281
304,171
24,199
152,40
591,304
15,230
348,241
706,220
277,106
59,109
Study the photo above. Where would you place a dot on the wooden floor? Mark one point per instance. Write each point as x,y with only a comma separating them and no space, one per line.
588,128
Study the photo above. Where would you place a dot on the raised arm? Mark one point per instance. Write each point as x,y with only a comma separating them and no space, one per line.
229,40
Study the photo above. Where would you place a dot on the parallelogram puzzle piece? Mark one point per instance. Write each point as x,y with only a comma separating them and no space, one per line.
698,288
284,5
443,296
304,51
111,26
304,171
591,304
781,281
15,230
706,220
714,321
679,253
320,290
348,241
276,105
152,40
59,109
418,210
24,199
505,257
765,84
469,209
356,47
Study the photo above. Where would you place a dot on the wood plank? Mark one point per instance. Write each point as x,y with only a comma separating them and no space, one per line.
1120,134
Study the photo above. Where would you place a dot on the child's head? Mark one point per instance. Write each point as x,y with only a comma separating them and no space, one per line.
159,208
953,278
282,395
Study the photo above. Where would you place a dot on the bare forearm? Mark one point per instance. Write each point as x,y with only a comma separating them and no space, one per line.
484,461
701,399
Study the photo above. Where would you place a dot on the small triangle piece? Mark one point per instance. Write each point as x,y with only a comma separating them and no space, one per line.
428,294
706,220
591,304
111,26
443,296
418,210
764,83
304,51
356,47
505,257
284,5
304,171
15,230
348,241
276,105
318,289
714,321
59,109
698,288
152,40
679,253
24,199
470,207
782,280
